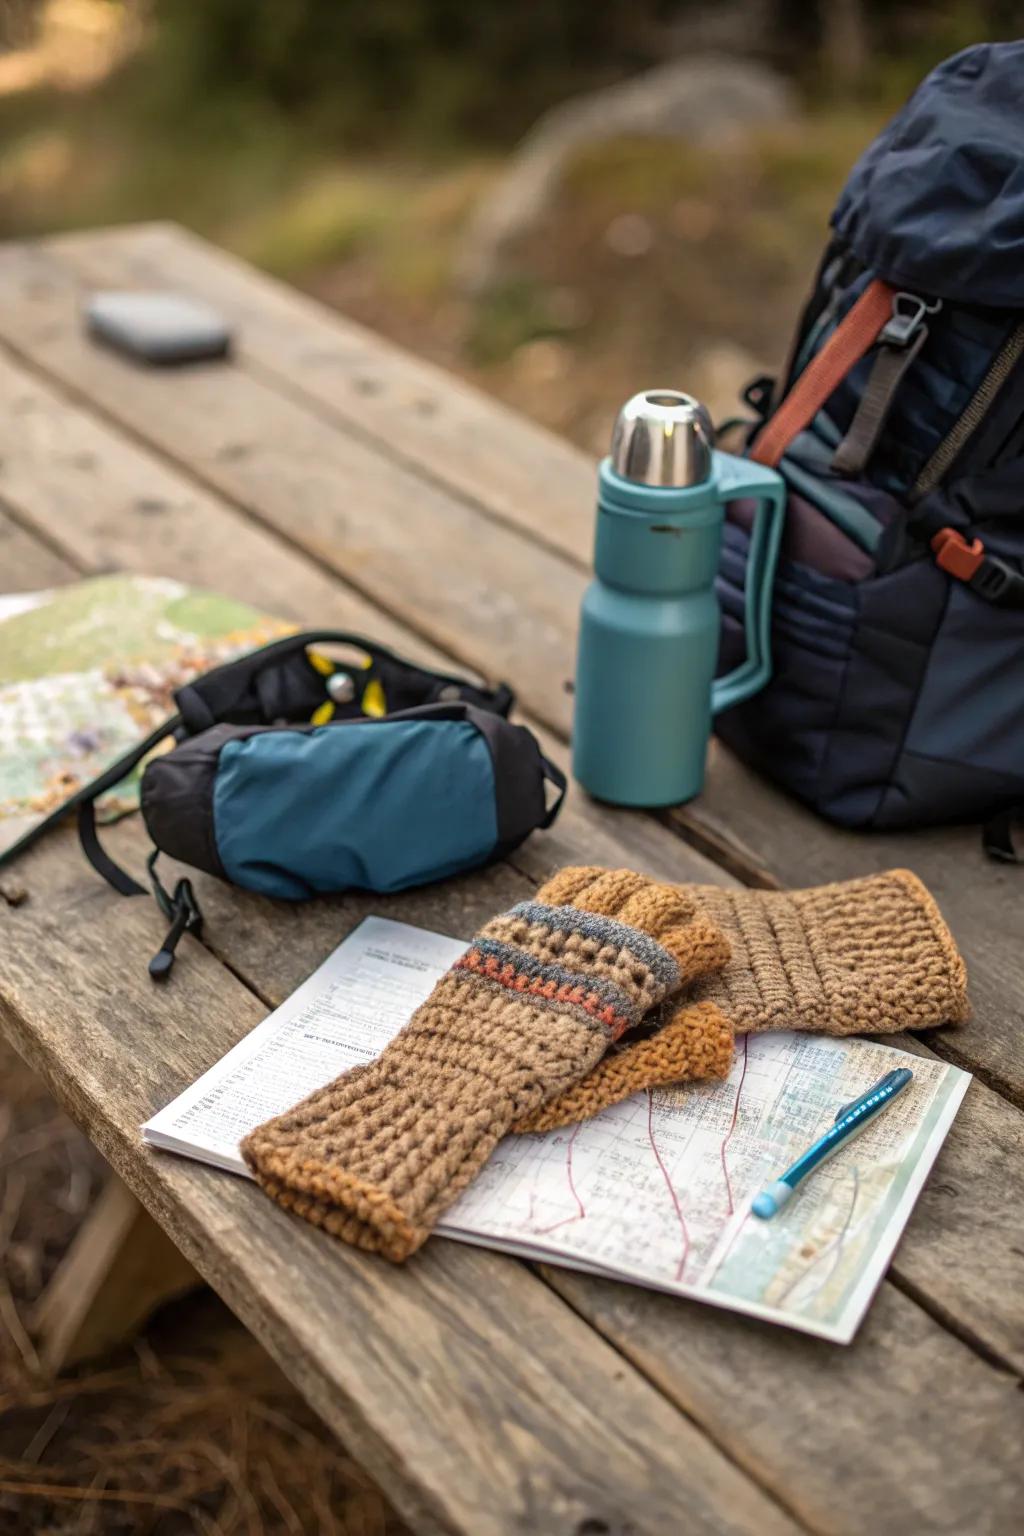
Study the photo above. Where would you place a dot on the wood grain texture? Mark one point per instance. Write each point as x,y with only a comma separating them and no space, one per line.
533,638
514,470
478,1399
892,1355
473,587
173,1038
962,1257
27,564
963,1212
832,1465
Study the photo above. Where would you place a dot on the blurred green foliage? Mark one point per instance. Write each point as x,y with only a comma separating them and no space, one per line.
394,68
432,71
346,146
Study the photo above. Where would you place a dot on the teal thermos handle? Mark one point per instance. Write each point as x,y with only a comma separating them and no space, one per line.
741,478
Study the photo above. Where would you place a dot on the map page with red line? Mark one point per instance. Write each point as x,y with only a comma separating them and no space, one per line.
656,1190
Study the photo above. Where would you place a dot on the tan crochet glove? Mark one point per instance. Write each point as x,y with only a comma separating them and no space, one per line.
860,957
380,1153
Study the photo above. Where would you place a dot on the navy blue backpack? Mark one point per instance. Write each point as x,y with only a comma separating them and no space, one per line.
898,424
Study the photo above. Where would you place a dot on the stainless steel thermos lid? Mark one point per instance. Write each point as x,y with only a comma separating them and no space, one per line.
663,437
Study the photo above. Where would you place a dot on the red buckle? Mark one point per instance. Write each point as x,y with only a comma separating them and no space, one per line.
955,555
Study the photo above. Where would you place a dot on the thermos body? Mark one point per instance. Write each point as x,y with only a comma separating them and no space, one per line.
648,645
649,627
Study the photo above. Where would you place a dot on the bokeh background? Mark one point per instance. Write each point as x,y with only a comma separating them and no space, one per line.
373,153
563,200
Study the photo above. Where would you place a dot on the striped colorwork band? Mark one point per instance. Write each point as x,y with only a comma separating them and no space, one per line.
601,998
606,931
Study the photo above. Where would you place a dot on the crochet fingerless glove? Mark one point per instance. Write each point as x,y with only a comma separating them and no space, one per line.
858,957
379,1154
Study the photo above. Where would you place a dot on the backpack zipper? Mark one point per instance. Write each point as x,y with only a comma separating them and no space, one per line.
1002,366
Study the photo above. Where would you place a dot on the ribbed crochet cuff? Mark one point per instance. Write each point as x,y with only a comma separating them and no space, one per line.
871,956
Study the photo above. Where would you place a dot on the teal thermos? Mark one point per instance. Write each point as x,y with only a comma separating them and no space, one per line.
646,689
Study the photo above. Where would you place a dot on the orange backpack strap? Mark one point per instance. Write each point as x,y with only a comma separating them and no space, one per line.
854,336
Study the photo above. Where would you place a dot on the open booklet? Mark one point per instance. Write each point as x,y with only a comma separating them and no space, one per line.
656,1190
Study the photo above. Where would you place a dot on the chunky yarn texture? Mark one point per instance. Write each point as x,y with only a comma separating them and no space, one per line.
379,1154
695,1043
858,957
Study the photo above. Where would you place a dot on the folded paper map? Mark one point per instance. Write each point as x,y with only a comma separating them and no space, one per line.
656,1190
89,670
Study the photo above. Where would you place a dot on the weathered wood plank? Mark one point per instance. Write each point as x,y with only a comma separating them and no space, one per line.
173,1036
513,469
479,1400
727,1383
40,319
953,1486
106,504
964,1260
110,504
58,492
27,564
471,586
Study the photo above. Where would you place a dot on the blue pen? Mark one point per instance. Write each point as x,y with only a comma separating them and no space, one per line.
850,1120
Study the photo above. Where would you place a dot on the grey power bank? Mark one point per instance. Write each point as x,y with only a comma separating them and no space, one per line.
160,328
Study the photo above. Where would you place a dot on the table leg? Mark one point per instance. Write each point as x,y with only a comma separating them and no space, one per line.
120,1268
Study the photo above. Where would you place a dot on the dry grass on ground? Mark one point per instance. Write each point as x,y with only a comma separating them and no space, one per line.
192,1431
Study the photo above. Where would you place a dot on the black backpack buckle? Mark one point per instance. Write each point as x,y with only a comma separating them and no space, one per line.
994,579
997,582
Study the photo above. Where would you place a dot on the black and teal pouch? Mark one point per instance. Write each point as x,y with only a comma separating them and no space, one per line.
293,775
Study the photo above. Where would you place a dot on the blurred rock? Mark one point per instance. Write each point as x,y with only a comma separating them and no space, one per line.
629,234
701,101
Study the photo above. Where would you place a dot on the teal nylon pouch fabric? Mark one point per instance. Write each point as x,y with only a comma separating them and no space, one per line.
412,777
365,807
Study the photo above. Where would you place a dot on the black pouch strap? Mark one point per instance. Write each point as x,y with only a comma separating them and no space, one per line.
180,907
86,799
554,775
99,858
183,912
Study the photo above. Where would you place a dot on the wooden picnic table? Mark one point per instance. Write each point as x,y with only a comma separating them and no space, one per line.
328,477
